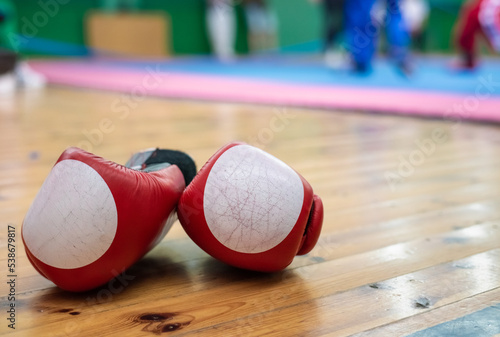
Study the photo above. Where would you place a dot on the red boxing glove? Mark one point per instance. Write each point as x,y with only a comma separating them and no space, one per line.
251,210
92,218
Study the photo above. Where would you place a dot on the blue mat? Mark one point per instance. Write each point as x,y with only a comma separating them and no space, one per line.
431,73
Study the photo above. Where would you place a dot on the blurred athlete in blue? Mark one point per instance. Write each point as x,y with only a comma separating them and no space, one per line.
363,26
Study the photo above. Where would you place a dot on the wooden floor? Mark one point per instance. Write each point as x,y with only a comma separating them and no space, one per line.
411,236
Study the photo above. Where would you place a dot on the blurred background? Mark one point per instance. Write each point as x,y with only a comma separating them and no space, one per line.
393,47
68,32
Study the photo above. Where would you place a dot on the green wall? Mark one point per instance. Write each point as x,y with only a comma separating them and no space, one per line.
440,26
300,23
62,23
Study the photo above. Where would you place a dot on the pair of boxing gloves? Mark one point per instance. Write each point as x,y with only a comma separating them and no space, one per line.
92,218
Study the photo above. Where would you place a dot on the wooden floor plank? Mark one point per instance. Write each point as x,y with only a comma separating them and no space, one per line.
363,307
430,318
383,254
318,279
371,305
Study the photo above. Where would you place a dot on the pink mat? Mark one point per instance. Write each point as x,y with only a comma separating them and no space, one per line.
227,89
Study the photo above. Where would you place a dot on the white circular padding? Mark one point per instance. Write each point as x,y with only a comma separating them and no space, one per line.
252,200
73,219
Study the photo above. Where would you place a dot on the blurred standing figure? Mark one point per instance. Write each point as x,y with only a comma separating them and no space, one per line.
398,36
489,16
389,14
333,23
477,17
415,14
8,60
21,75
363,24
221,24
8,57
360,33
262,25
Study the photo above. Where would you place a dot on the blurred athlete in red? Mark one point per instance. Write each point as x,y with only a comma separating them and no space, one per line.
477,17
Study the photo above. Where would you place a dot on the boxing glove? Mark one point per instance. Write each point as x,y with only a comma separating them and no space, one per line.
251,210
92,218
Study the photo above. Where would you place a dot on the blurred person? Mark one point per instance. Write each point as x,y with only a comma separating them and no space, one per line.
262,25
21,75
221,25
8,61
388,14
360,33
333,28
398,36
415,14
489,16
477,18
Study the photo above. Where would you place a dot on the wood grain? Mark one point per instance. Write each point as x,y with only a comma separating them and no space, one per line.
389,262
